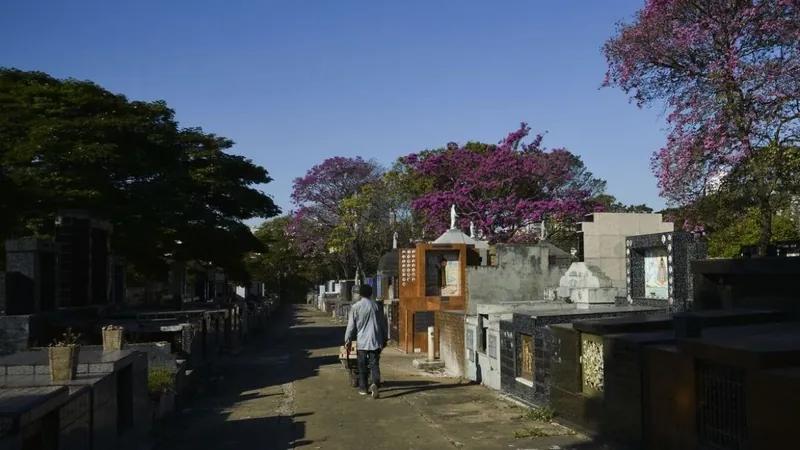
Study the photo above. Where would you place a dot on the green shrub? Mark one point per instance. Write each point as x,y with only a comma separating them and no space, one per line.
160,379
541,414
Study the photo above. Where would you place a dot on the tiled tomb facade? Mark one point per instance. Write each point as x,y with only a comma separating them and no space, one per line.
675,250
526,348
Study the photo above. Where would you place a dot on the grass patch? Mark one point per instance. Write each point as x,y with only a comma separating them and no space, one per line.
540,414
529,433
159,380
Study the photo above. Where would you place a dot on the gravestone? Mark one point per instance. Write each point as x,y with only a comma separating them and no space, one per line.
658,270
100,273
586,285
84,269
31,276
118,280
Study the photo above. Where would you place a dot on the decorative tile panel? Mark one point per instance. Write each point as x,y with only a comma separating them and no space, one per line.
526,356
408,266
681,248
592,369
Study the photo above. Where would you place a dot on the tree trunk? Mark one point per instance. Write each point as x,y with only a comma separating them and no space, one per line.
766,227
280,288
359,254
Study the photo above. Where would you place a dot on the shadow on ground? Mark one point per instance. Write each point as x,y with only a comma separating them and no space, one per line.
273,359
274,433
393,389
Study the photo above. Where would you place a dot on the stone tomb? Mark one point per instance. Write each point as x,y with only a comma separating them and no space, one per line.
596,379
30,285
600,380
526,347
483,348
586,286
747,283
658,269
731,387
29,418
199,335
432,278
483,338
115,384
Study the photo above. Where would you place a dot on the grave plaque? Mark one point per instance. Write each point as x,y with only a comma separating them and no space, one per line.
656,281
526,356
491,346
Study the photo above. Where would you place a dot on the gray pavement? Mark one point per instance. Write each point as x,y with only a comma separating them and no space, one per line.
288,390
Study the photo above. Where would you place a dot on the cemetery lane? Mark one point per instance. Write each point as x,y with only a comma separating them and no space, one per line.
287,389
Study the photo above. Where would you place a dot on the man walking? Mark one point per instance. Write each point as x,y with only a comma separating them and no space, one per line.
367,324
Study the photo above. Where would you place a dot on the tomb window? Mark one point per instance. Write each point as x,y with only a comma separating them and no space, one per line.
526,356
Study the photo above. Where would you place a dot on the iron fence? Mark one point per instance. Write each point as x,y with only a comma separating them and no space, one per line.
721,408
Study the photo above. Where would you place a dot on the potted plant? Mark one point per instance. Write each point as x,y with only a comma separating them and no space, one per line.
63,356
112,338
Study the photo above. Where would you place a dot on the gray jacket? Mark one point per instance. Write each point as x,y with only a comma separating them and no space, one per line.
368,324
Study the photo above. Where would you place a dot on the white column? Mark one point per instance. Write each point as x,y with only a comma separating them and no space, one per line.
431,350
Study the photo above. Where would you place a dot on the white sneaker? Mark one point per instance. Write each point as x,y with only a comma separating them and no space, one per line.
374,390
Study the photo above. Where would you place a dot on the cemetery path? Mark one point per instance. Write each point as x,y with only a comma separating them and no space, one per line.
288,390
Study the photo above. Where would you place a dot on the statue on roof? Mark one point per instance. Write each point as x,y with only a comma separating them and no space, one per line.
394,240
453,217
472,229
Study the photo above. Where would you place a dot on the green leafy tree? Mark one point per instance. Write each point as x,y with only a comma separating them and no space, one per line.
69,144
728,241
609,203
320,196
280,267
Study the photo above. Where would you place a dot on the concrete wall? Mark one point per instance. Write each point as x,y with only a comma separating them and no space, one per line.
604,241
484,366
451,341
521,275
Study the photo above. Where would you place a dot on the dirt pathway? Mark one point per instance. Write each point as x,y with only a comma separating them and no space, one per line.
288,390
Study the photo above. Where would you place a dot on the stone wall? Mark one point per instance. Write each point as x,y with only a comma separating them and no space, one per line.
75,420
452,350
521,275
603,243
15,333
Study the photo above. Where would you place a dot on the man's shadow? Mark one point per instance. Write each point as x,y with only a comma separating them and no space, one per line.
478,371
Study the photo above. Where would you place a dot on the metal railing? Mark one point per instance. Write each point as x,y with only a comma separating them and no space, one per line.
721,407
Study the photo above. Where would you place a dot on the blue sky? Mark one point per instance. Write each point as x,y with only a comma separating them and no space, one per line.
296,81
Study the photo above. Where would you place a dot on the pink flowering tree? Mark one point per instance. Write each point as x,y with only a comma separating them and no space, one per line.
321,197
503,189
729,73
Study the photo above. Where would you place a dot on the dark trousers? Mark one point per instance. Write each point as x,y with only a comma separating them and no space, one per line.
369,360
